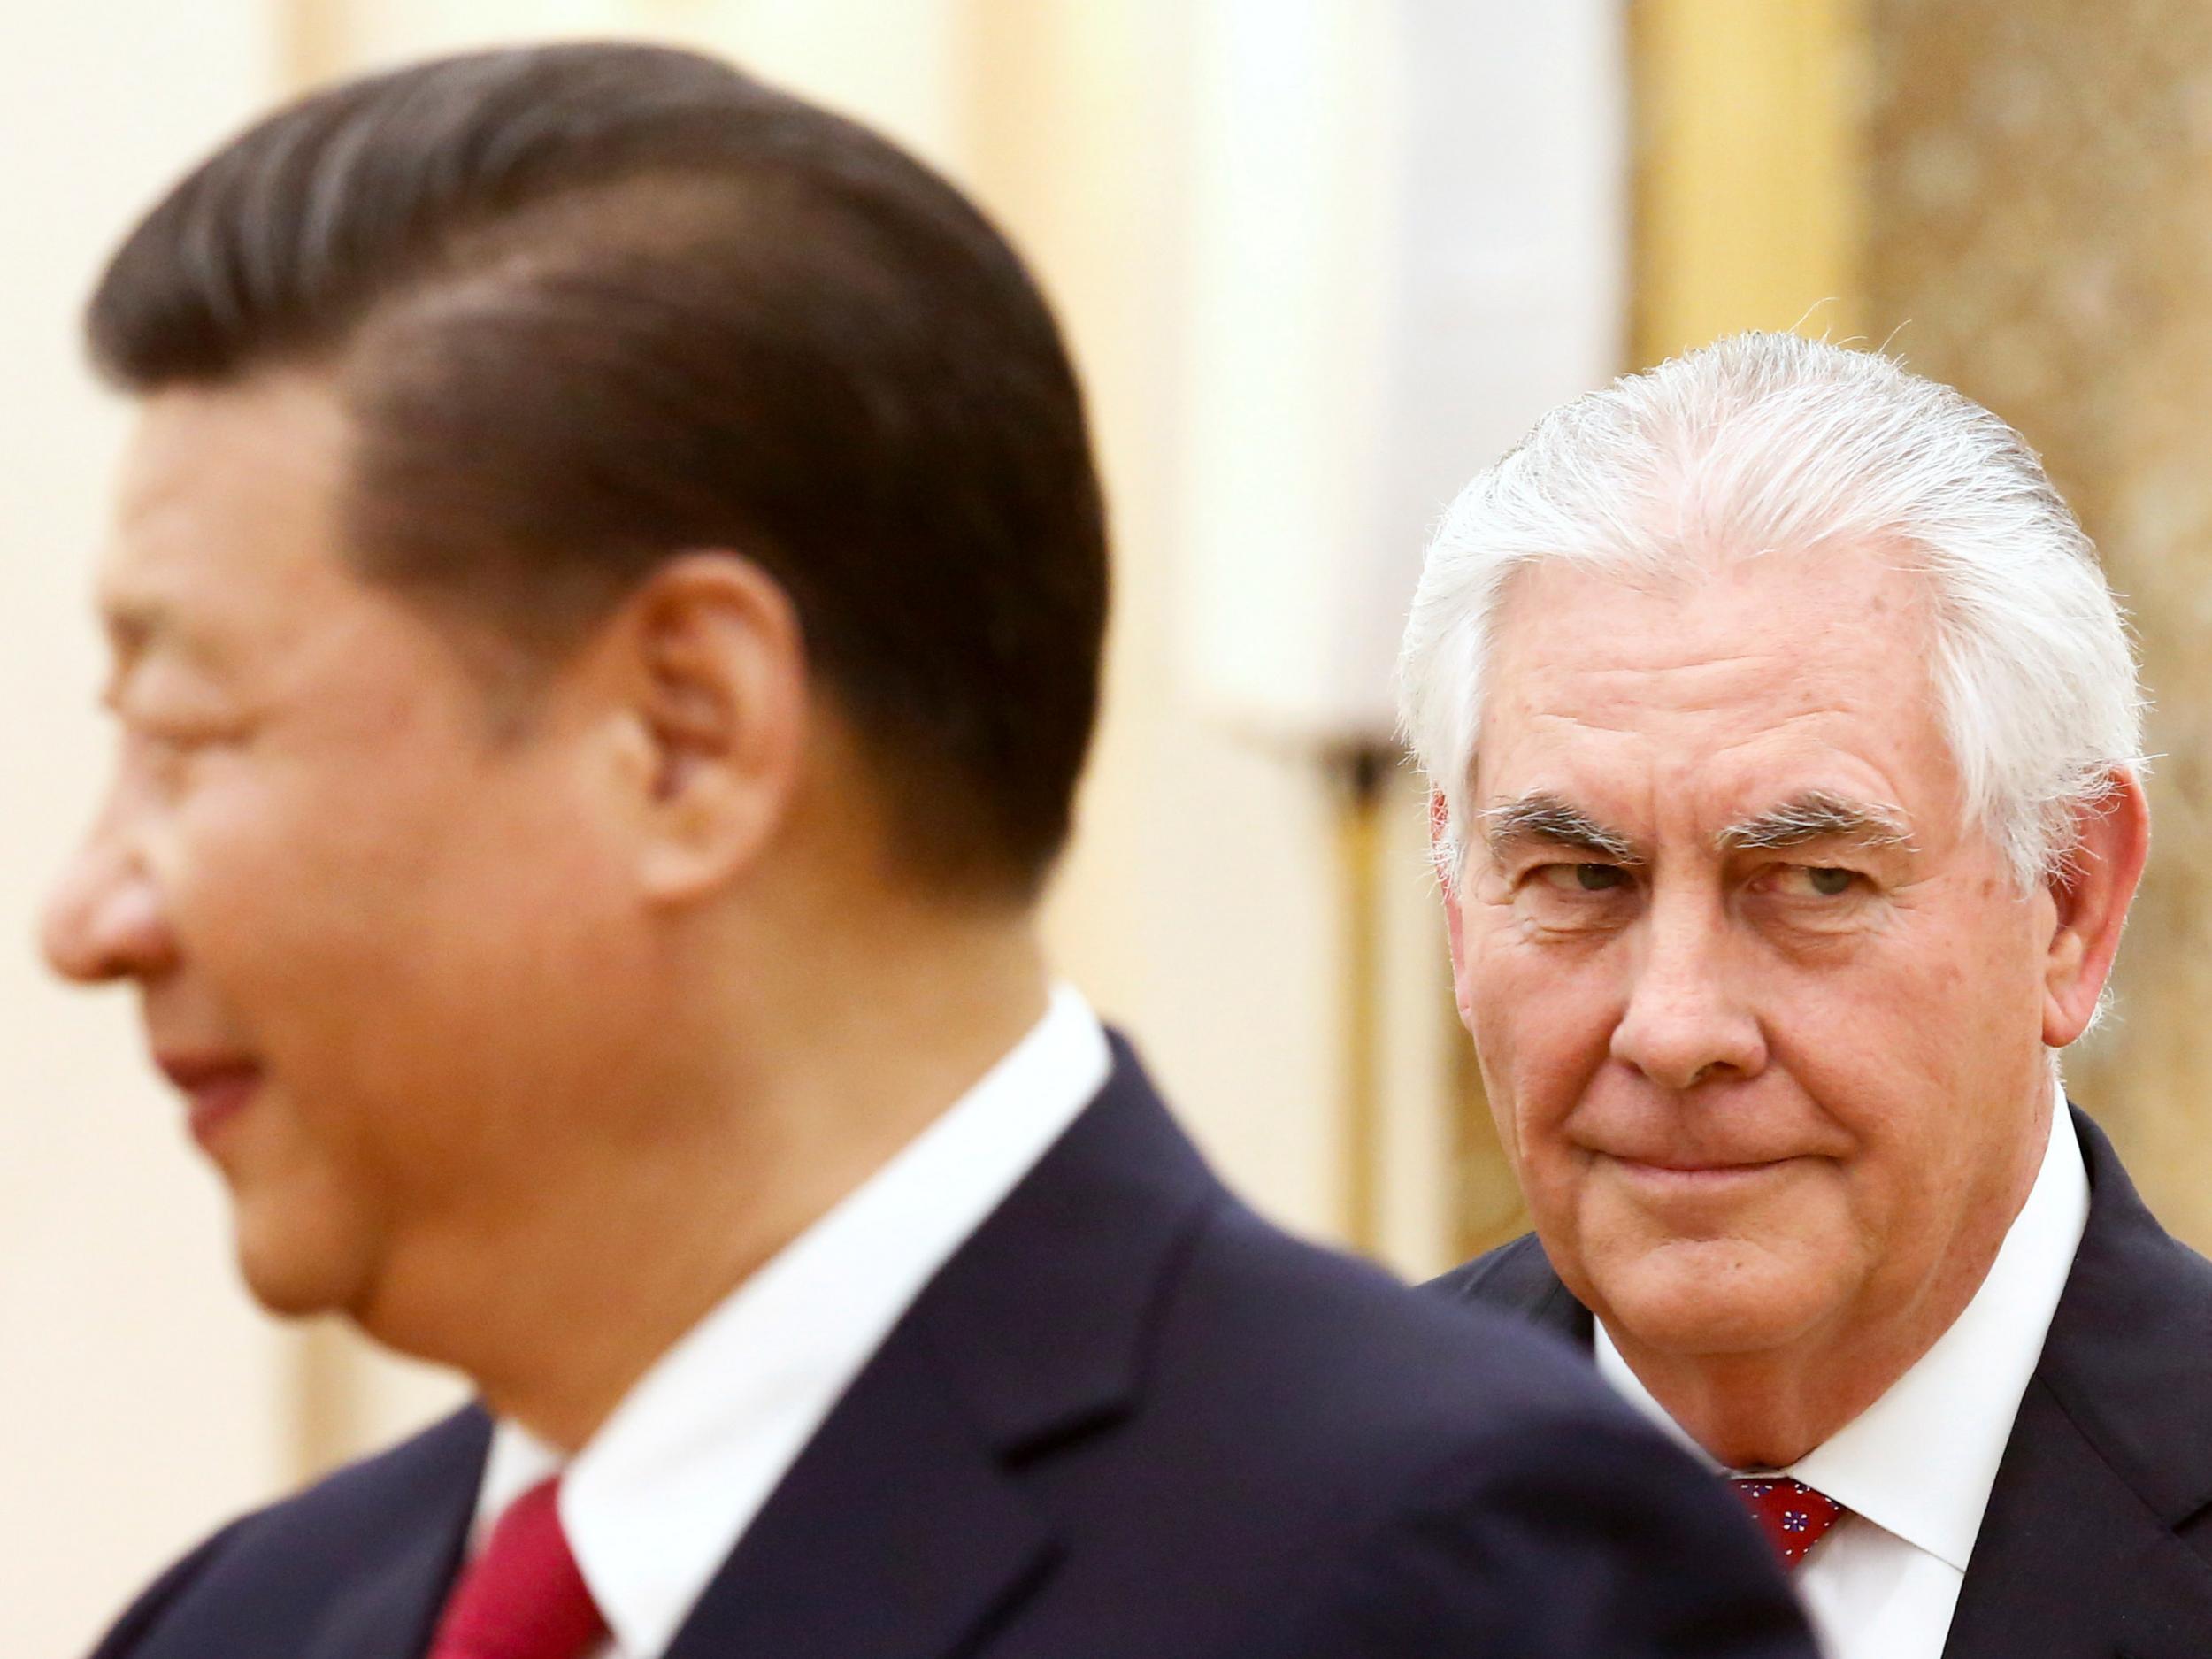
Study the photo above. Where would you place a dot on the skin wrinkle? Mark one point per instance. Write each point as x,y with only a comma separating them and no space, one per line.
1768,445
1562,727
1772,1134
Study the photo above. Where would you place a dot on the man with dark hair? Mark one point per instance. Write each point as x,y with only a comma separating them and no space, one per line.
606,610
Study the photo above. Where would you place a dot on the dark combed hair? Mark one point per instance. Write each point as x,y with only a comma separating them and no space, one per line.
591,306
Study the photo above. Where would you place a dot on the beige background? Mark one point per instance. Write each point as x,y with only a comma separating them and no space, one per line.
139,1394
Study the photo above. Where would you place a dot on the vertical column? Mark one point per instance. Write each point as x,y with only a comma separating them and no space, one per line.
140,1395
2039,235
1748,211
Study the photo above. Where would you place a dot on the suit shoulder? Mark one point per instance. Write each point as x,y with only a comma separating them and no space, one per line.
146,1611
424,1468
1508,1276
2131,1281
1609,1541
2124,1355
1387,1366
1454,1460
312,1537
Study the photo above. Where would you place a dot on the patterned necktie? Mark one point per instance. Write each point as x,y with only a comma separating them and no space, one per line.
1792,1516
522,1597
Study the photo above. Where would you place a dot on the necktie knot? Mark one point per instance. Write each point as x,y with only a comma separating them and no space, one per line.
523,1597
1792,1516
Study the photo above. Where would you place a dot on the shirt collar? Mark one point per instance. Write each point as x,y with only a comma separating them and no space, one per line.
1919,1462
658,1499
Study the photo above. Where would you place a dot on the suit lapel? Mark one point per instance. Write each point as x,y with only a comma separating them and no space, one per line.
2069,1562
388,1608
2080,1550
1518,1278
908,1528
896,1533
388,1613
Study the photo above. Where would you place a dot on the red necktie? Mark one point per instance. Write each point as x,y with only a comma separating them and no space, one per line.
522,1597
1793,1516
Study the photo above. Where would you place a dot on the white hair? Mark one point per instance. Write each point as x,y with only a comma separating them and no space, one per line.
1765,441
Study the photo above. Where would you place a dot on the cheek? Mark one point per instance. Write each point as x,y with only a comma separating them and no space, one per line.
1542,1019
300,914
1916,1048
366,921
1927,1059
278,878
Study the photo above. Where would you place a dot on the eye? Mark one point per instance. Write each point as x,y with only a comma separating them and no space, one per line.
1823,881
172,736
1590,878
171,743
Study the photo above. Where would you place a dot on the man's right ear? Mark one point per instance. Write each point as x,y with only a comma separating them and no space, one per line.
1440,838
708,689
1446,864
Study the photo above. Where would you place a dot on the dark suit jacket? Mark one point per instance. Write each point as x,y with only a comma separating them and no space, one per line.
1128,1419
2098,1537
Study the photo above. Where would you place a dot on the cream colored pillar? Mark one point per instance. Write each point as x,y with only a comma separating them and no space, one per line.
1748,212
140,1399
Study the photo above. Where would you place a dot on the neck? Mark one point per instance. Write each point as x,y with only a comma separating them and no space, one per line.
1767,1410
795,1086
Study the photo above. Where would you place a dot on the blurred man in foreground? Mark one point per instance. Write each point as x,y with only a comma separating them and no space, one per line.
1784,737
606,609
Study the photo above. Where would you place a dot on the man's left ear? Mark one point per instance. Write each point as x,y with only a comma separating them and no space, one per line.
2091,895
1444,867
712,670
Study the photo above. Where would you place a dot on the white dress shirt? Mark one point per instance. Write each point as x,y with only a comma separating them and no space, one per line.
655,1502
1915,1468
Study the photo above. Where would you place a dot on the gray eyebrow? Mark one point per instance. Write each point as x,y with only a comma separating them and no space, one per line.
1814,816
1542,817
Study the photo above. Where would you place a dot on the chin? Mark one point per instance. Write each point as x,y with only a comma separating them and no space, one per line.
1709,1297
296,1272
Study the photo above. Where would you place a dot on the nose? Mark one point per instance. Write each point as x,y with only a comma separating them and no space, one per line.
1686,1022
104,919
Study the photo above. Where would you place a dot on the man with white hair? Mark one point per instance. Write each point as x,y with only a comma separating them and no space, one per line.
1785,743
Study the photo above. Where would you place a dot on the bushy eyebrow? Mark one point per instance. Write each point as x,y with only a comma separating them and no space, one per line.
1543,817
1818,816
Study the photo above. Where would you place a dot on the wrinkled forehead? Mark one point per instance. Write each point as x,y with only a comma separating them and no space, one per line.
1764,676
1686,637
1712,598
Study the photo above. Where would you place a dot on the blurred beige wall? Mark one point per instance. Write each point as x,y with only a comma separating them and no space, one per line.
139,1394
